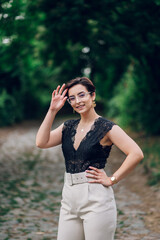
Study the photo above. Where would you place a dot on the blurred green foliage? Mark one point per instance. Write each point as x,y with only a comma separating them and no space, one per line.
151,162
116,43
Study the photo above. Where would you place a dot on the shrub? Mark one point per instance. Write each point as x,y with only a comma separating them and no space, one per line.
9,111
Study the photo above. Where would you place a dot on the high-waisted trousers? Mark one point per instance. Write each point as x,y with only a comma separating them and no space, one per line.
88,210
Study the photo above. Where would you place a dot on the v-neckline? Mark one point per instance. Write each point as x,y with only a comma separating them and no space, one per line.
75,132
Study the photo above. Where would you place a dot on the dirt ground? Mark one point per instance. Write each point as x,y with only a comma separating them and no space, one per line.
34,216
138,203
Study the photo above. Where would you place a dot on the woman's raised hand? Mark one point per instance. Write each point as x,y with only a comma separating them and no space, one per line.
58,98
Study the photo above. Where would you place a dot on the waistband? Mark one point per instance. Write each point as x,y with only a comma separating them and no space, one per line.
77,178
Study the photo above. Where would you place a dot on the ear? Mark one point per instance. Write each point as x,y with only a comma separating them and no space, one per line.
93,95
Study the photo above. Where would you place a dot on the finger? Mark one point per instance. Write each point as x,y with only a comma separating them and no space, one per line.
93,176
53,93
57,89
96,169
61,89
64,99
64,93
92,171
90,176
94,181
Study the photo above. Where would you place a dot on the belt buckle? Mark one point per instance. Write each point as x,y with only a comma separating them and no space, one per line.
74,179
78,179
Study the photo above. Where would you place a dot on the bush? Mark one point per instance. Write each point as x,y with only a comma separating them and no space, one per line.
134,103
152,159
123,106
9,111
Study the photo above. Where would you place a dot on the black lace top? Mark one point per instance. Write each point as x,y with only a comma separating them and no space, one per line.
90,152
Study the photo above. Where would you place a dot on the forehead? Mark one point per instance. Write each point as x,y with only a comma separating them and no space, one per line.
77,89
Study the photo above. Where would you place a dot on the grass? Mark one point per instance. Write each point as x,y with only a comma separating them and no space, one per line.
24,191
120,212
151,161
4,211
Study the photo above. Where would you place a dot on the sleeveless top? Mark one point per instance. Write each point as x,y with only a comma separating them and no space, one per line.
90,152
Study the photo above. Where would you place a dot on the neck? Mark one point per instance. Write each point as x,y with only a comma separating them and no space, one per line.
88,116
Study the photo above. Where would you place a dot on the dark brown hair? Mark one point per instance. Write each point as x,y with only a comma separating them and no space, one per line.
83,81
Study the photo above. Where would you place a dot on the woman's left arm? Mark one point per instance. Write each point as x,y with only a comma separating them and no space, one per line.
127,145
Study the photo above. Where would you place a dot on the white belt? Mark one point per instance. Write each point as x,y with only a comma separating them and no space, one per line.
76,178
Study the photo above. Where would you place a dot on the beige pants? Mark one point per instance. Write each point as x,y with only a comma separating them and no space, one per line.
88,210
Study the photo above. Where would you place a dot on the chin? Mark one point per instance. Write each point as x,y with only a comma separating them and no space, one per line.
81,111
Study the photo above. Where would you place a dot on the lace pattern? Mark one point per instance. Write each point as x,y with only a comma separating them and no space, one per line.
89,152
74,132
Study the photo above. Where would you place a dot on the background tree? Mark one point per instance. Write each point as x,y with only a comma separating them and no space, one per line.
116,43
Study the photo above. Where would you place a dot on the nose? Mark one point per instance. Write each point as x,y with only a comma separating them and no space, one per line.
77,99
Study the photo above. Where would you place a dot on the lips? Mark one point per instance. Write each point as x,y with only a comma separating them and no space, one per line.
80,107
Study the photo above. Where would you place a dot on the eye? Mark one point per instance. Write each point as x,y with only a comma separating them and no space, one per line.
71,99
81,95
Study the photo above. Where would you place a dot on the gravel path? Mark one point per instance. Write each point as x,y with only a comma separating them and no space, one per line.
31,182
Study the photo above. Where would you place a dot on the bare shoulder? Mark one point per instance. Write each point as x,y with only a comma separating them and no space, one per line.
117,131
122,140
117,134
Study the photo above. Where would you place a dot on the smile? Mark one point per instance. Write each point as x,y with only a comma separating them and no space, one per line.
81,106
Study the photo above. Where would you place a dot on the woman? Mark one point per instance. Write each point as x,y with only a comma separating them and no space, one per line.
88,209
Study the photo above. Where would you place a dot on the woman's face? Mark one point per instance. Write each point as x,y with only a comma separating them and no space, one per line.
80,99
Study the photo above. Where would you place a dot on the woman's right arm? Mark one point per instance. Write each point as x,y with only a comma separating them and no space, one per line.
45,137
